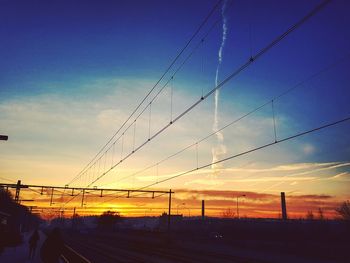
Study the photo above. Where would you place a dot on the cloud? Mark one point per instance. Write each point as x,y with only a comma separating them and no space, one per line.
345,176
253,204
281,173
55,135
330,166
286,167
311,197
223,194
275,179
208,181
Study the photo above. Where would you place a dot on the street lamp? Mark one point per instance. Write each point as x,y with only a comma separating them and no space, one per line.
237,204
189,212
177,207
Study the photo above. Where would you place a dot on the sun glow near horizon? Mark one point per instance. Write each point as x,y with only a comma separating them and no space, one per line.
59,108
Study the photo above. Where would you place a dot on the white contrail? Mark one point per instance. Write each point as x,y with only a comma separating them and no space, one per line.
220,148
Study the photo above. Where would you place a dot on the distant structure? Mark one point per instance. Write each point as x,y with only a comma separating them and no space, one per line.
164,221
18,189
284,207
203,210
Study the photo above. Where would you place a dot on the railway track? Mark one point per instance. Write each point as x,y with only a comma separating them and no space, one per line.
125,249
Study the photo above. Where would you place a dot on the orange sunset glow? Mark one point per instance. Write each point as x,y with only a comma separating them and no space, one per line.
174,131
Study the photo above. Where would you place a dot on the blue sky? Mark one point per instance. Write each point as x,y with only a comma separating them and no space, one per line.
74,41
72,71
60,41
59,47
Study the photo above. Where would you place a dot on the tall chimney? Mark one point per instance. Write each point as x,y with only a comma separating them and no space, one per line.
284,207
203,209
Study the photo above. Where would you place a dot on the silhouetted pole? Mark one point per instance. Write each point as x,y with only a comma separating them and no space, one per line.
51,196
169,212
177,207
18,189
237,205
82,198
203,210
284,207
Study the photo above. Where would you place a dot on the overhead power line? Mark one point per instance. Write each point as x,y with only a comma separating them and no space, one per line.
251,150
252,59
155,85
267,102
220,85
275,142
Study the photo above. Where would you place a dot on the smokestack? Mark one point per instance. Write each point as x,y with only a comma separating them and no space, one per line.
203,214
284,207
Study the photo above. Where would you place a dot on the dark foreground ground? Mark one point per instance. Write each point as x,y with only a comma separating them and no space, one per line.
225,242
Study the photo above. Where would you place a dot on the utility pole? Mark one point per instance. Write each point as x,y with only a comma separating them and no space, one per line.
52,189
203,210
284,206
82,198
18,189
74,220
237,204
169,212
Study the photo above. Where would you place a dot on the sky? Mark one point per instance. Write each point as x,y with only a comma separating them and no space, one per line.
71,72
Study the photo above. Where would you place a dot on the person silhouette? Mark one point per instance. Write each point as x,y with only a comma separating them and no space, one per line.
33,241
52,248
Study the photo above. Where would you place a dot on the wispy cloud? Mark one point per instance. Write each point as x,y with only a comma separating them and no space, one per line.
62,133
345,176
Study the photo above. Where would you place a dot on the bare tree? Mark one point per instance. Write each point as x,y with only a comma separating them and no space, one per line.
228,213
320,214
344,210
108,220
310,215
